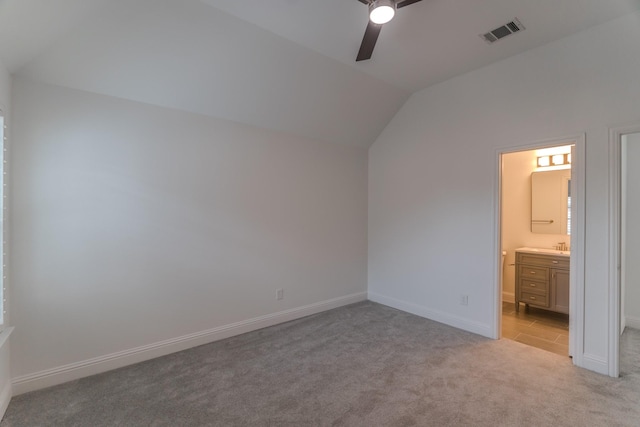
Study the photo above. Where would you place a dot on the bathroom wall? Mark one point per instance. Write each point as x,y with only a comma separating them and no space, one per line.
516,215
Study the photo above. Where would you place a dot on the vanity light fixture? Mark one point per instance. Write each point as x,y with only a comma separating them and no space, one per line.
543,161
554,160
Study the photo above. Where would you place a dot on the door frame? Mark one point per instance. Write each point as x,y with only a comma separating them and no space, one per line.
576,285
615,210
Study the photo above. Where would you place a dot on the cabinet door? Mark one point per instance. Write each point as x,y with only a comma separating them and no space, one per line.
560,290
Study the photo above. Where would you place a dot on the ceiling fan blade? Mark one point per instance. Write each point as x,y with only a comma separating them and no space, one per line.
364,1
406,3
369,41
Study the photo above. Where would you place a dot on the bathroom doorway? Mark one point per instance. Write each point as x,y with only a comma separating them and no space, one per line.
539,237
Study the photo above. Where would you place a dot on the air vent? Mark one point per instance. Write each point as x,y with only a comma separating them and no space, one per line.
503,31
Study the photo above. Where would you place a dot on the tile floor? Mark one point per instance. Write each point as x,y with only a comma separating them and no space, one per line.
536,327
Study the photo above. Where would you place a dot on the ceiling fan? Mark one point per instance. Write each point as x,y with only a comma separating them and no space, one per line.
380,12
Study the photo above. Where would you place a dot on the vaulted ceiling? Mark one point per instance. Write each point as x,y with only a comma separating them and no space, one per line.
286,65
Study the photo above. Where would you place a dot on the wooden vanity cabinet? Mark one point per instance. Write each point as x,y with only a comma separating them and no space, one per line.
560,290
542,280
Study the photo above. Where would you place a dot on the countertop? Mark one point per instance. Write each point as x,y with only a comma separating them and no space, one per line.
543,251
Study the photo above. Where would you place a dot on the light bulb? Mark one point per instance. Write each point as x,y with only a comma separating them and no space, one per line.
543,161
382,11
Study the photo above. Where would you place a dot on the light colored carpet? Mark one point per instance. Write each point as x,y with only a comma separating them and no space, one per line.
361,365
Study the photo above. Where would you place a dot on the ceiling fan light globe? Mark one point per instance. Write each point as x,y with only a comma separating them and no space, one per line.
382,11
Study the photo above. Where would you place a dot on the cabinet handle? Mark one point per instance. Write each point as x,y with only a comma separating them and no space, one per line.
532,272
533,285
555,262
532,297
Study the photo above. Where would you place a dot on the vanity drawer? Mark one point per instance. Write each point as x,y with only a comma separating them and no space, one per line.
534,299
533,287
542,260
533,272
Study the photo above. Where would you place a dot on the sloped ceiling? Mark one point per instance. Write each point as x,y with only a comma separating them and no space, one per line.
430,41
286,65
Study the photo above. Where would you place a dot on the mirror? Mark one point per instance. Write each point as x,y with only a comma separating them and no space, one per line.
551,202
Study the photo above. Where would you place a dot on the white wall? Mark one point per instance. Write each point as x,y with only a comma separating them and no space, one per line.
631,230
142,226
5,374
432,174
516,215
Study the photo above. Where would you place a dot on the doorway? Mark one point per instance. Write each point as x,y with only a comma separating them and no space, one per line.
625,247
551,304
629,251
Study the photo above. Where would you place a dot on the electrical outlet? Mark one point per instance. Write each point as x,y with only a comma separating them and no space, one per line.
279,294
464,299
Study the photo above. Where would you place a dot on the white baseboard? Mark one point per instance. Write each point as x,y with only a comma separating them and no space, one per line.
594,363
5,384
632,322
5,398
509,297
73,371
438,316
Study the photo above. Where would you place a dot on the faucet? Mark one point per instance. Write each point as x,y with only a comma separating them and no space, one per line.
562,246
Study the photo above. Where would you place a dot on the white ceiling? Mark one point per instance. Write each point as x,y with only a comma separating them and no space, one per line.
286,65
427,42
